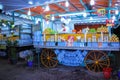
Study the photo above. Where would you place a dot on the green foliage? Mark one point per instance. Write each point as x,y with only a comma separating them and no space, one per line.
13,53
49,31
30,58
9,23
11,43
92,30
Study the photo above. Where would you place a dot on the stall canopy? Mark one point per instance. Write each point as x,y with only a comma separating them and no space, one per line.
56,6
11,5
63,7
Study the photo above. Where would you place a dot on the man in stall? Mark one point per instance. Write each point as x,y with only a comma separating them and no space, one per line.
64,29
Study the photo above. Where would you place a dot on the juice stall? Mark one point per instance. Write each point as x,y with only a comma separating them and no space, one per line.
85,40
75,32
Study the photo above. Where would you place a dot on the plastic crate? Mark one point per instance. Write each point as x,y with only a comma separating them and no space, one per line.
94,44
105,44
82,44
89,44
115,44
61,43
52,43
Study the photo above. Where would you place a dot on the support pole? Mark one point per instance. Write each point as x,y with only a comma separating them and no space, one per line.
109,16
13,18
41,24
83,4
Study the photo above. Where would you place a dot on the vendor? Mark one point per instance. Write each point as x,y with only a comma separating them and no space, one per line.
64,29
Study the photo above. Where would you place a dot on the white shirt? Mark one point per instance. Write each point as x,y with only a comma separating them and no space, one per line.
64,30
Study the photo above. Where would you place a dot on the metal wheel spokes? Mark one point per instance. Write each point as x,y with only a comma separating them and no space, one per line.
48,58
96,61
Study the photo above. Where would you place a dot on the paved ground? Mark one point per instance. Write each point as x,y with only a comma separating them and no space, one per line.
21,72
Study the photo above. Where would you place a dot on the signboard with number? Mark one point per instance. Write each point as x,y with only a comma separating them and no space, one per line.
110,22
101,12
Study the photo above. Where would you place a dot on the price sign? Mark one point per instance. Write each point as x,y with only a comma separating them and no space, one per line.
110,22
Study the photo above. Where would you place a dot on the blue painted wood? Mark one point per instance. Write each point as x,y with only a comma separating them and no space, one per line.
109,48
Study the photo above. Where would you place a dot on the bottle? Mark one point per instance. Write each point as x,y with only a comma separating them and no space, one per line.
99,42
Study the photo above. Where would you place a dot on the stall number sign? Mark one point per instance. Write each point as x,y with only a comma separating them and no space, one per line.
101,12
110,22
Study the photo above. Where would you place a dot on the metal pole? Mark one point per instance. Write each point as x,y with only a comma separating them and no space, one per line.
13,18
109,16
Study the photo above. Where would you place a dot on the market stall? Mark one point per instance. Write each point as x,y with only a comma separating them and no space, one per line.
74,32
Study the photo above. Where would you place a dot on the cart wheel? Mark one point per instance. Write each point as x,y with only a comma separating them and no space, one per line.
48,58
96,61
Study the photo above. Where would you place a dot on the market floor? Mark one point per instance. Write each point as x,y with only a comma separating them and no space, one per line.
21,72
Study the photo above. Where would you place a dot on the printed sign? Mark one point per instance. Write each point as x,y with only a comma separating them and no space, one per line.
110,22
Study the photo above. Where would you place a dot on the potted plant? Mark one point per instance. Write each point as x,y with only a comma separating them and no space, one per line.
119,74
30,60
12,52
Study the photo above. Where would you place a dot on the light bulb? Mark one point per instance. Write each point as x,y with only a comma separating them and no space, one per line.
69,19
53,18
92,2
47,22
1,6
30,2
62,19
116,4
37,21
66,3
113,17
85,14
47,8
116,12
29,12
91,18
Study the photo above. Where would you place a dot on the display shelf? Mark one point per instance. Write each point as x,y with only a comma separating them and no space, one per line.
5,30
25,35
53,41
26,29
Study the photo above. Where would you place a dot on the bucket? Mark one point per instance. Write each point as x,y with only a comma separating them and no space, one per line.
107,73
30,63
119,75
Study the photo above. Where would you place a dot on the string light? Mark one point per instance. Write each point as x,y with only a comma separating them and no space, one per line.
92,2
29,12
66,3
